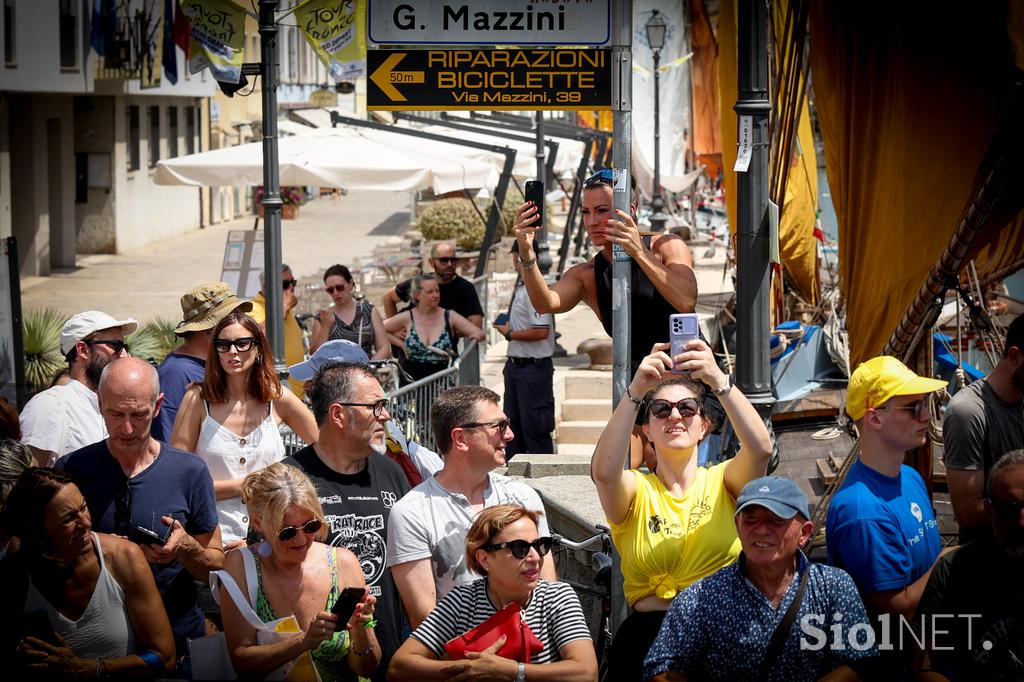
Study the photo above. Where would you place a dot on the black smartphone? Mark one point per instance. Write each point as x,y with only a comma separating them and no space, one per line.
346,604
141,535
37,624
535,193
501,319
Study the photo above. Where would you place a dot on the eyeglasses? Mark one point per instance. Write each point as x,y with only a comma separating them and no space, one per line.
241,344
446,259
336,287
1007,510
663,408
502,425
918,407
311,527
287,284
379,406
114,344
520,548
123,507
604,176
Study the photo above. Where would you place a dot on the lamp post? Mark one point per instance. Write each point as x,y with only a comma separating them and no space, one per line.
655,29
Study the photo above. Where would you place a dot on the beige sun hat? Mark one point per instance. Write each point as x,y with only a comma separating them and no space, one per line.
206,305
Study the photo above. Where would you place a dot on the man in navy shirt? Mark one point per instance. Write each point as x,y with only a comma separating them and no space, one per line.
201,309
132,481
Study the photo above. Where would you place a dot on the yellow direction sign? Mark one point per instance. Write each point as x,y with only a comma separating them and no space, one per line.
515,79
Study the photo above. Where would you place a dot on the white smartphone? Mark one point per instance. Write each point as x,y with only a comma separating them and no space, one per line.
682,328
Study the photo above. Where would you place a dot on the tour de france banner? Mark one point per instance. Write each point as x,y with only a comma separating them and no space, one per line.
218,38
337,32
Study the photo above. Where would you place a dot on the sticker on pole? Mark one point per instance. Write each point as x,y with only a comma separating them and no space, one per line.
745,150
620,179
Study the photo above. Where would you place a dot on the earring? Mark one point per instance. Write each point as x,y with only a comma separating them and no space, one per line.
263,548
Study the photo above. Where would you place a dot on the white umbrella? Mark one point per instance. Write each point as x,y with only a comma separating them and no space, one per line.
334,157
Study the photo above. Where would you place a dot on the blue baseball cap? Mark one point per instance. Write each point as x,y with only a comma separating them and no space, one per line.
337,350
778,495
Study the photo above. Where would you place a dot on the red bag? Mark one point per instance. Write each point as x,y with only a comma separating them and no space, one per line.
520,642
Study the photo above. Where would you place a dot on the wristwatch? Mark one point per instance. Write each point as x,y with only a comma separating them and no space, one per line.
724,389
521,674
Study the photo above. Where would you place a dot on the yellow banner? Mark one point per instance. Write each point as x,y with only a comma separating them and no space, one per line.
218,38
336,30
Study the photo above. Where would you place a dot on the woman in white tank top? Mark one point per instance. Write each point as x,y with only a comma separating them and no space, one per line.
91,595
232,419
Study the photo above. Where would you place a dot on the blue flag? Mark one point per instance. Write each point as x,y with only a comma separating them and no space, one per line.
104,20
170,57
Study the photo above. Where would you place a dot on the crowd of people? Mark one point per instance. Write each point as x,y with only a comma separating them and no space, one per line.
146,509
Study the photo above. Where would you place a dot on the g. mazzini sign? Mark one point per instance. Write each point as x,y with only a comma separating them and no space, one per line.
538,79
489,22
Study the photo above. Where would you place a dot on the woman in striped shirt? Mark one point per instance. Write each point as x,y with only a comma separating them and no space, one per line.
503,546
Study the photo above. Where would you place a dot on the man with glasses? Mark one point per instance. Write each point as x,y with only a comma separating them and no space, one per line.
65,418
427,539
356,484
294,351
154,494
457,292
974,602
881,528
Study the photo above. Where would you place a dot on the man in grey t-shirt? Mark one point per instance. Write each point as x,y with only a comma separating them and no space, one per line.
984,421
427,527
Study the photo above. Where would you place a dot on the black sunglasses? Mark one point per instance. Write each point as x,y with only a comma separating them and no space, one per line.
123,507
520,548
604,176
335,287
241,344
446,259
114,344
311,527
502,425
288,283
379,407
1007,510
663,408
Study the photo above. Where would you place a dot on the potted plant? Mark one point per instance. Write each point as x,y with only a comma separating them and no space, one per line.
291,198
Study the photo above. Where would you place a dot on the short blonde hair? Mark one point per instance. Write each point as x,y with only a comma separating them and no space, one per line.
489,523
269,492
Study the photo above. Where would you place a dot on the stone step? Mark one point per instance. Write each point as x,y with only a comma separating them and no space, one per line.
586,409
589,384
580,431
576,449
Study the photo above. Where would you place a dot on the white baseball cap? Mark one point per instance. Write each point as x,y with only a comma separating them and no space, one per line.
90,322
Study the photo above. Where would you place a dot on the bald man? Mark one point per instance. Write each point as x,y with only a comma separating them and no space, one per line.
158,496
457,292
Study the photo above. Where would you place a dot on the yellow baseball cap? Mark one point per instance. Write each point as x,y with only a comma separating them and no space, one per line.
881,378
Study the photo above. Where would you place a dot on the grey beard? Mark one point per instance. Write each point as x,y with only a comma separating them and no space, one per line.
379,448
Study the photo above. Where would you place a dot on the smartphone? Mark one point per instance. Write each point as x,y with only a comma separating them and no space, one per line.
37,624
535,193
141,535
501,319
346,604
682,328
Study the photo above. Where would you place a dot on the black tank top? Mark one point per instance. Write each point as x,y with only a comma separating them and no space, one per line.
650,309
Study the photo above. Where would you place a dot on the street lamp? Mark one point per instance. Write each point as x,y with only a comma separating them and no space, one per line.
655,29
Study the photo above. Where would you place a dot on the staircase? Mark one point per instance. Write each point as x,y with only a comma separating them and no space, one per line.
586,409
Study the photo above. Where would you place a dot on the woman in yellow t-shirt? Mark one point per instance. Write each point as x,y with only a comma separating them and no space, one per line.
674,526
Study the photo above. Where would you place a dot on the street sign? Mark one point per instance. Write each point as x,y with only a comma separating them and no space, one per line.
489,22
526,80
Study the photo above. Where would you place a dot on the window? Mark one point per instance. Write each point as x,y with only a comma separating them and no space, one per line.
172,131
10,58
154,135
132,115
190,130
68,25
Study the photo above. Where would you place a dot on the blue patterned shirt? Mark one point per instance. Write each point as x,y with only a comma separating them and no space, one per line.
719,628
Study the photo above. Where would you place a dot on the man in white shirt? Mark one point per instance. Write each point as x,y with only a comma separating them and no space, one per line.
65,418
427,531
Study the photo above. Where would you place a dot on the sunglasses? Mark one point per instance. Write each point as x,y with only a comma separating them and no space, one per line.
1007,510
241,344
446,259
287,284
116,346
919,408
604,176
520,548
335,287
502,425
661,409
311,527
123,507
379,407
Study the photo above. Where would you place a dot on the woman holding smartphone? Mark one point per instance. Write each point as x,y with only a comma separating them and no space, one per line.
232,419
675,525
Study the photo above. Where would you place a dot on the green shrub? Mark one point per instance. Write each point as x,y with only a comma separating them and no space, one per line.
153,340
41,339
457,219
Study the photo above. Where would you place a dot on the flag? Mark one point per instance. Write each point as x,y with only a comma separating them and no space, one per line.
336,31
182,29
218,38
170,57
104,19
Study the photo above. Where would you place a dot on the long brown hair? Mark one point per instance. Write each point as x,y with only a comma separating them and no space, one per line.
264,385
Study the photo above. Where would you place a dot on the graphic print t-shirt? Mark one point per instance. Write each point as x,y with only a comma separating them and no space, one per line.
357,508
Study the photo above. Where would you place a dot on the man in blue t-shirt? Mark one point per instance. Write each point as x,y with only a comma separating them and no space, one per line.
201,309
134,485
881,528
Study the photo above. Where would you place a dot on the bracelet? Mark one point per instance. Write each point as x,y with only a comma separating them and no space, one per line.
152,660
508,335
372,623
101,669
364,652
521,672
527,264
636,401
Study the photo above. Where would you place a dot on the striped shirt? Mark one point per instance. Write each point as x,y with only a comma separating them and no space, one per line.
554,614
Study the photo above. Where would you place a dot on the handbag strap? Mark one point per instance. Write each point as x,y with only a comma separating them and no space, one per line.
235,592
782,629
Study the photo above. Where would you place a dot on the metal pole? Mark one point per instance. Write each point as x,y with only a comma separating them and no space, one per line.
540,246
658,217
753,368
272,292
